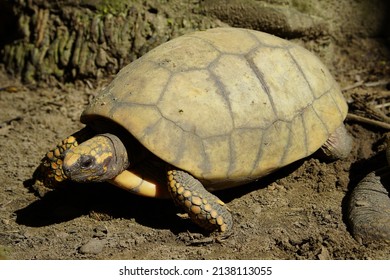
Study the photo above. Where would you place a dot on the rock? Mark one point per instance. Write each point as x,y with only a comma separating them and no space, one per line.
324,255
100,232
93,246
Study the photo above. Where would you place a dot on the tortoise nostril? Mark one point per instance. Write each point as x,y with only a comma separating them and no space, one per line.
66,170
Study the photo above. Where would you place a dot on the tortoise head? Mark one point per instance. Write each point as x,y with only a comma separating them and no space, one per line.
98,159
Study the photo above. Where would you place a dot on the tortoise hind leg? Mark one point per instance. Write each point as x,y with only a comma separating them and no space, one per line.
338,145
204,208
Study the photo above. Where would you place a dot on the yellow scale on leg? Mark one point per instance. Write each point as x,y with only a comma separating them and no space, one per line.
204,208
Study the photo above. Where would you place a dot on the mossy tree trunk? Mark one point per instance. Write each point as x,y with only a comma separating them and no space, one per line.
76,39
67,40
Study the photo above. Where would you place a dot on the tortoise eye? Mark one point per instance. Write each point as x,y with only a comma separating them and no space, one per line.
86,162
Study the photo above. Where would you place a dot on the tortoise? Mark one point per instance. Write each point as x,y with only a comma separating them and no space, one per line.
369,206
206,111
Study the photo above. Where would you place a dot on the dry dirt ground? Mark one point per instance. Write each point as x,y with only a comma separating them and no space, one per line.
297,213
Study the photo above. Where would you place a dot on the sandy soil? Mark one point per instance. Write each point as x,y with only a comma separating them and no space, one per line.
297,213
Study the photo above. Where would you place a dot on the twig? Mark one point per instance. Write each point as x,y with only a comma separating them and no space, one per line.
377,83
383,94
384,105
373,112
355,85
8,122
368,84
377,113
353,117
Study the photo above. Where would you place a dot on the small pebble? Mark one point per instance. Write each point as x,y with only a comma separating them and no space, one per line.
93,246
324,255
62,234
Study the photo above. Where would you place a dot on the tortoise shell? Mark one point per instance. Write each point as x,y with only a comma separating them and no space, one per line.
227,105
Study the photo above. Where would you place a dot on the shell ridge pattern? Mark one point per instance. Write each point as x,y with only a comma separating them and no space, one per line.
153,126
288,144
308,130
336,105
114,107
188,69
103,95
179,149
253,37
315,100
302,73
161,97
190,131
206,164
224,92
213,79
193,36
265,144
233,164
310,106
305,134
261,44
319,117
150,129
178,126
232,161
108,94
334,101
117,105
258,155
260,77
312,92
212,140
208,42
206,160
164,88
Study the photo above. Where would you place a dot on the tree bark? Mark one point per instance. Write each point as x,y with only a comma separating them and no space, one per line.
66,40
78,39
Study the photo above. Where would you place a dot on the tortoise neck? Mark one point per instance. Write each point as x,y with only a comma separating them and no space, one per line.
121,158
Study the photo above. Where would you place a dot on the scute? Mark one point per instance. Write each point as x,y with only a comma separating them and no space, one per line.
227,105
191,53
228,40
195,95
287,88
249,103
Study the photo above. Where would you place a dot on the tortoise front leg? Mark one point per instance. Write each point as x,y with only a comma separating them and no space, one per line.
135,184
204,208
50,169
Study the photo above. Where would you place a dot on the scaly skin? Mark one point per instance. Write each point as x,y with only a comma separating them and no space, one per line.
369,206
51,169
369,209
54,158
204,208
